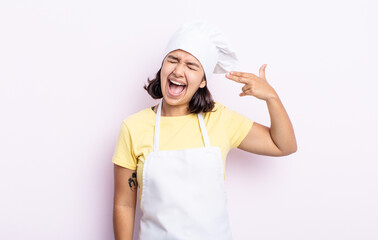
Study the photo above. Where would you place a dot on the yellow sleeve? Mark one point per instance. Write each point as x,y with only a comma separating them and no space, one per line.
123,154
237,126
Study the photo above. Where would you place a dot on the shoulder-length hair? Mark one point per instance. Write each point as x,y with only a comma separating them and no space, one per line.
202,101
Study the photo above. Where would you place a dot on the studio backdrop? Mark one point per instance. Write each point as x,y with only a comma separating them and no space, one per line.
72,71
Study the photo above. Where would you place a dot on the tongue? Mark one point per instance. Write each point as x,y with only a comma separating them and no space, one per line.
176,89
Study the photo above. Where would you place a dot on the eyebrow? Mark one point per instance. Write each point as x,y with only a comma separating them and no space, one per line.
177,59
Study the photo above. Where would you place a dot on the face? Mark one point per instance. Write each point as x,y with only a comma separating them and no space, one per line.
181,75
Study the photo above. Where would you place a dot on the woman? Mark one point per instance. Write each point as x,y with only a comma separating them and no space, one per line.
175,151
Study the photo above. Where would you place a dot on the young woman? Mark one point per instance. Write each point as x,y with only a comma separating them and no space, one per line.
176,151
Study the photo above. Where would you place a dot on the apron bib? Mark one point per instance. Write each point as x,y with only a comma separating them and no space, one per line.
183,194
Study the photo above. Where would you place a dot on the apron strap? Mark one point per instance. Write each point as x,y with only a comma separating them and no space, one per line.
157,127
205,136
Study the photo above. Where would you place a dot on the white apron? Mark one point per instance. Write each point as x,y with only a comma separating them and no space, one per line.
183,194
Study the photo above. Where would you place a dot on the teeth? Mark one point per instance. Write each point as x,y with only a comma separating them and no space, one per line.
177,83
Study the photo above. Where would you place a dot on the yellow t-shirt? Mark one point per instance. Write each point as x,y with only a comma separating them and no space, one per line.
226,130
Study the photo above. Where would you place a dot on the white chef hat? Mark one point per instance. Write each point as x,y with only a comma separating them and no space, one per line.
205,42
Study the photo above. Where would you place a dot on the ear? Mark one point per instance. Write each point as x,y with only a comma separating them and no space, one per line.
203,83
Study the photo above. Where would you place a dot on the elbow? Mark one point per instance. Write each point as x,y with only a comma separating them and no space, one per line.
289,151
295,148
292,148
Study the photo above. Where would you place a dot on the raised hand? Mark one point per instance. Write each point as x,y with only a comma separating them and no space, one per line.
256,86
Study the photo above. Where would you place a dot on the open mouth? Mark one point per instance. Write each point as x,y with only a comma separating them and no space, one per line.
175,88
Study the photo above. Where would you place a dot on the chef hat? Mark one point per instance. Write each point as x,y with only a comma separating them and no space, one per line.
205,42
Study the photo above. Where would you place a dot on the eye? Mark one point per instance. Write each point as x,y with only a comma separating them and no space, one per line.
191,68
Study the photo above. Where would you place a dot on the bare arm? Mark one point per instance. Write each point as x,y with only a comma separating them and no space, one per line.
125,195
279,139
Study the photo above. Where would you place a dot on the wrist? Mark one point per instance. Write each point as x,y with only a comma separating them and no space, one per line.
272,97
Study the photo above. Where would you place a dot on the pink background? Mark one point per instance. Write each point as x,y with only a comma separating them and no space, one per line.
71,71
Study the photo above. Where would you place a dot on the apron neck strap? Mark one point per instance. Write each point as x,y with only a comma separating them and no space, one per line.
205,136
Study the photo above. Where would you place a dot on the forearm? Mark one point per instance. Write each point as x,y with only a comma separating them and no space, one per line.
281,129
123,222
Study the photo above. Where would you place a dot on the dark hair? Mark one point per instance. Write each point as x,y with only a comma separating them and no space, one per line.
202,101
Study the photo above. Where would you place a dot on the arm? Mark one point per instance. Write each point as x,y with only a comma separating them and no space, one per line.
125,193
279,139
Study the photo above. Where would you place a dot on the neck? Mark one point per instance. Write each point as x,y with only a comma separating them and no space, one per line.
174,111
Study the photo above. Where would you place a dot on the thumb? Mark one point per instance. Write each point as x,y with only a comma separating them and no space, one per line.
262,71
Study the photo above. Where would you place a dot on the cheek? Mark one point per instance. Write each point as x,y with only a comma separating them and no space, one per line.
163,74
164,68
197,78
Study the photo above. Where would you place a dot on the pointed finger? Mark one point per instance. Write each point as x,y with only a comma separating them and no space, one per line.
243,74
236,78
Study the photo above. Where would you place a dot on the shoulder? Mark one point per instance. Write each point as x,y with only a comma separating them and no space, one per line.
217,105
217,109
223,112
215,114
144,116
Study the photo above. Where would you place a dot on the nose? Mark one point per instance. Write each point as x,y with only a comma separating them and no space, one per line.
179,70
